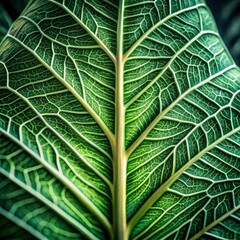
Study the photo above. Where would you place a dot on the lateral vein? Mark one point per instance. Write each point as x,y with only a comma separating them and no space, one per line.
164,187
22,224
174,103
213,224
65,181
144,36
101,44
98,120
168,66
59,211
57,134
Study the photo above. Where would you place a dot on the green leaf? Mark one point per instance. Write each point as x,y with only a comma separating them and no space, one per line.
118,120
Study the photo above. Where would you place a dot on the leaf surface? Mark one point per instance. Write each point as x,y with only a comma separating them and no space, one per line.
118,119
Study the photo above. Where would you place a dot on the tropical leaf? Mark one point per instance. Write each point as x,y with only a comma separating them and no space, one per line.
118,119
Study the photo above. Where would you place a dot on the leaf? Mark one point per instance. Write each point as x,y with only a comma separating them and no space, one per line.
119,120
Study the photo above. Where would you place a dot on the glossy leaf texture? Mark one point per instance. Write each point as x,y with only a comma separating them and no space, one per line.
118,119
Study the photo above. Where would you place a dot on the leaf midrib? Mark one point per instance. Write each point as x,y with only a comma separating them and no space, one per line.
119,156
119,62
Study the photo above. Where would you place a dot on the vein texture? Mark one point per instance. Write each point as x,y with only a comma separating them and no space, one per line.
118,119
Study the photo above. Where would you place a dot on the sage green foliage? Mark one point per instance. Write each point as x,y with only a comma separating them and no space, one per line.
118,119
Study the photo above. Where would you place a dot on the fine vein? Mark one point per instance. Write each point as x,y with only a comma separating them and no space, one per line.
99,121
141,39
81,197
22,224
174,103
101,44
51,205
215,223
161,190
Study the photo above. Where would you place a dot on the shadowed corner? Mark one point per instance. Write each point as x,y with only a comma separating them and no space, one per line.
226,14
10,10
14,7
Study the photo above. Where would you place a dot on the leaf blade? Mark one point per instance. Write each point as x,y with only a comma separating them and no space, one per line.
126,104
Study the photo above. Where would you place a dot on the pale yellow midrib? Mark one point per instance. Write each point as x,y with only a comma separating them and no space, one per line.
119,161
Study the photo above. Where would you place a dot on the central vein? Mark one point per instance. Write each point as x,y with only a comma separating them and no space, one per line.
120,161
